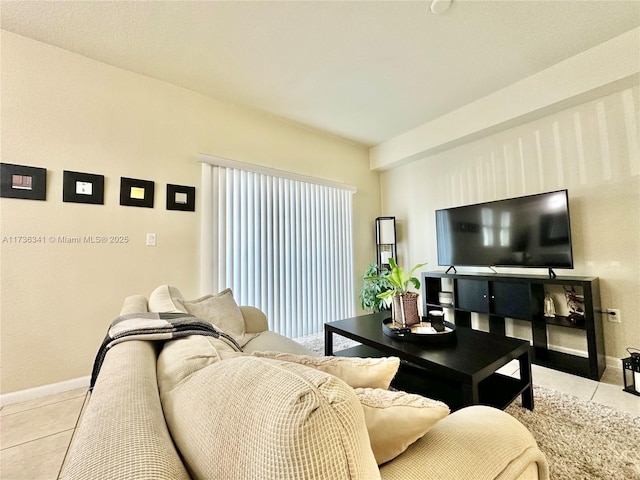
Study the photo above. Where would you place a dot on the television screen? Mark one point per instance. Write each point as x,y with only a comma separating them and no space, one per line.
529,231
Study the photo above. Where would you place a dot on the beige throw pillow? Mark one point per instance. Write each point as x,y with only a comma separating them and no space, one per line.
397,419
355,372
165,299
182,357
221,310
245,418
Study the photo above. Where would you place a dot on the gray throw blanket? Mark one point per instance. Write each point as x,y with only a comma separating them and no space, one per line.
154,326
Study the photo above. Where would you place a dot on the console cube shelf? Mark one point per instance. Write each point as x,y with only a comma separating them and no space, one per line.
522,297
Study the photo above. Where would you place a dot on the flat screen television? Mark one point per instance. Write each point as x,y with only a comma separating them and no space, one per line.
529,231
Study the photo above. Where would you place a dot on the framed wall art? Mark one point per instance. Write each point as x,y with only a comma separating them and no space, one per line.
21,181
136,193
81,187
181,197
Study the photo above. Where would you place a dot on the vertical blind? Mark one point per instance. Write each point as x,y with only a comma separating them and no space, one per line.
281,244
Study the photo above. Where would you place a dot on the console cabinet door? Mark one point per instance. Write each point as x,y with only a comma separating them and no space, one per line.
511,300
472,295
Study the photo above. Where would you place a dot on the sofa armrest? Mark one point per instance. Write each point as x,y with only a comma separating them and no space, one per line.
134,304
122,431
473,443
255,321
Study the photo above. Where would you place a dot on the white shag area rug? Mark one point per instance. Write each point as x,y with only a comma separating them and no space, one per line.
315,342
582,440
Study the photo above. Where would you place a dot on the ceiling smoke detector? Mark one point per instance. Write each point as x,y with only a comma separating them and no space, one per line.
440,6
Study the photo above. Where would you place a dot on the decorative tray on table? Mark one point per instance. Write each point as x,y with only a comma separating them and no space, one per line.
422,332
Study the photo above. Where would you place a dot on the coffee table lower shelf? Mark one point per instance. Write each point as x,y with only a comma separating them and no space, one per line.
496,390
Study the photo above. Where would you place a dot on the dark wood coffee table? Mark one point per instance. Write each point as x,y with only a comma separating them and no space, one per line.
459,373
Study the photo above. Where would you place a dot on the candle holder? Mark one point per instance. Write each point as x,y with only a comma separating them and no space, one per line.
631,371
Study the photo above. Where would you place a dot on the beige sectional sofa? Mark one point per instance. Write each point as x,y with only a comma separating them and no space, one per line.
196,407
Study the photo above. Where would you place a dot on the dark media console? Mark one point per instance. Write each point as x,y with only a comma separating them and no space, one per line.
522,297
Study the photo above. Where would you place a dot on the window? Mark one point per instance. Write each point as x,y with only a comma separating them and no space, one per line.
281,242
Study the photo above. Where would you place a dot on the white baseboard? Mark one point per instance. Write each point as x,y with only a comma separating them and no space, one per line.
569,351
613,362
610,362
44,390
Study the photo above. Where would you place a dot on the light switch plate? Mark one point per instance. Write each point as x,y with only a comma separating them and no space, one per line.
151,239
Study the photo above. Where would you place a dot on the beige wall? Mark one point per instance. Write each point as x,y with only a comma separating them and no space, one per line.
596,72
62,111
592,150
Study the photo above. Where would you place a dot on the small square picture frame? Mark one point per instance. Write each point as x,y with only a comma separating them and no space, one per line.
80,187
136,193
181,197
23,181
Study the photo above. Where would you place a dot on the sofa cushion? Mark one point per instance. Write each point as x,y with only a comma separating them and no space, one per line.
252,417
272,341
356,372
476,442
397,419
255,321
182,357
164,299
222,311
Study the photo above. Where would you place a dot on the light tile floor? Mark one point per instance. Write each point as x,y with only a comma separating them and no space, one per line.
35,435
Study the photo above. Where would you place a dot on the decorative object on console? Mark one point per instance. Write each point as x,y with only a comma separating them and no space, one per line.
181,197
78,187
549,306
631,371
575,304
21,181
385,240
445,298
405,303
136,193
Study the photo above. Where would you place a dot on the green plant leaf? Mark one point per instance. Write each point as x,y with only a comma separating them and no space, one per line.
415,268
374,282
382,284
387,296
400,281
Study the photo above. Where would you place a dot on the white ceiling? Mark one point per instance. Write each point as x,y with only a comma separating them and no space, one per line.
364,70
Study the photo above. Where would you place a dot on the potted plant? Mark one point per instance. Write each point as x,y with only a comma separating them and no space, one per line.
375,283
405,302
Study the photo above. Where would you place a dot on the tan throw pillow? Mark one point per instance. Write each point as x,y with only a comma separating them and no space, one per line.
397,419
221,310
355,372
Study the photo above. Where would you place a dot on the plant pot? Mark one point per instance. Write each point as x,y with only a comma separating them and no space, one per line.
405,309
